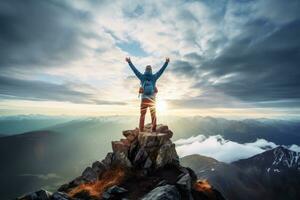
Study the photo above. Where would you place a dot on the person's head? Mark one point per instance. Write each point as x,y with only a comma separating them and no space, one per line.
148,69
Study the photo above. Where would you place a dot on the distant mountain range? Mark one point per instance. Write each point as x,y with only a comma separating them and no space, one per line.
41,158
285,132
273,174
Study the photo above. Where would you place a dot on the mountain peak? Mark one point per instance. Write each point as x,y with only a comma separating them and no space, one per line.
276,160
143,165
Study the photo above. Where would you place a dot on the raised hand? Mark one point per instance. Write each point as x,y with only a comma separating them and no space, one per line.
127,59
167,59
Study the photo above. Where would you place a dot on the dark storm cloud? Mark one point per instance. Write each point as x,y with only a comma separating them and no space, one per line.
262,65
267,69
39,33
11,88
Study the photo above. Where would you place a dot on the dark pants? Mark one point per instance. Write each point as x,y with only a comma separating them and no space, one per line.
145,103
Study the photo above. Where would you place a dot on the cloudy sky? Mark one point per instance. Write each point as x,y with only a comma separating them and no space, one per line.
227,57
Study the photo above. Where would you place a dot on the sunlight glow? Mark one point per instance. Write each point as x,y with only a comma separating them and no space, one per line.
161,106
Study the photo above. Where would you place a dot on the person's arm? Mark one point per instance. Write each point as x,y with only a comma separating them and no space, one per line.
162,69
134,69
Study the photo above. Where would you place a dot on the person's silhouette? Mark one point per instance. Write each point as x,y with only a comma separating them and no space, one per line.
148,90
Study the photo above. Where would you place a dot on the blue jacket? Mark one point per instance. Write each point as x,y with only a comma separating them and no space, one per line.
148,76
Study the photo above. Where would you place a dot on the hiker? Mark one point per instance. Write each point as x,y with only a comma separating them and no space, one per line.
148,90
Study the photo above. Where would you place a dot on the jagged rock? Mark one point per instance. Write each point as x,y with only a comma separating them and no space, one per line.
162,183
98,167
121,159
141,156
148,163
167,155
89,175
60,196
107,161
110,192
185,182
166,192
185,185
38,195
120,146
147,139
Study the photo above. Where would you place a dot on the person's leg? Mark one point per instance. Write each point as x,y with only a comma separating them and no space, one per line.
153,117
143,114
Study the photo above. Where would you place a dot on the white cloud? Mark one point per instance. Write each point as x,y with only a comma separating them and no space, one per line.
219,148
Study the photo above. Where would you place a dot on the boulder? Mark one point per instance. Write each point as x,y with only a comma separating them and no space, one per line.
141,156
147,139
98,167
167,155
112,191
107,161
60,196
165,192
89,175
120,146
121,159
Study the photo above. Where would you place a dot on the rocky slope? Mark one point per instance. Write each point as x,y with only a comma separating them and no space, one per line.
273,174
143,165
276,160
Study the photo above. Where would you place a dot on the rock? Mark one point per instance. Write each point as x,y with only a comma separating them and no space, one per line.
89,175
110,192
161,183
38,195
121,159
107,161
148,163
185,185
166,192
116,190
60,196
185,182
134,132
147,139
119,146
98,167
141,156
167,155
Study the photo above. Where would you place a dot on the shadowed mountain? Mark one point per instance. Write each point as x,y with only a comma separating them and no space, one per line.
230,180
273,174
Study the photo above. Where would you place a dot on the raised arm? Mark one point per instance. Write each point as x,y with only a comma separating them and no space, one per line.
162,69
134,69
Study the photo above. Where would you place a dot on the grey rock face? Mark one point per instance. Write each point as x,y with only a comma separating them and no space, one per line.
109,193
89,175
60,196
166,192
166,155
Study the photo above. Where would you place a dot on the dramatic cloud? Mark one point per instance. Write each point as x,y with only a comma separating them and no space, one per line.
223,150
39,90
224,54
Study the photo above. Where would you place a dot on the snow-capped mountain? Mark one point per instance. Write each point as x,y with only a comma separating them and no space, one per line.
276,160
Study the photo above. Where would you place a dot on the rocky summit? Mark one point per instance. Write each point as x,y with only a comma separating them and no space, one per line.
143,165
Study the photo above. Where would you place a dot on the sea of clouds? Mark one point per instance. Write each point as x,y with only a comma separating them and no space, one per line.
224,150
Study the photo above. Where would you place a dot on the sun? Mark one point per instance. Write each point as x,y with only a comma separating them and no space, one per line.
161,106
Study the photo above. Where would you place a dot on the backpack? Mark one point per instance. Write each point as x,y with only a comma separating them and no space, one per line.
147,88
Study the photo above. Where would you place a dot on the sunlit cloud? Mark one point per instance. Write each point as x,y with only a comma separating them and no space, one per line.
224,150
215,47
